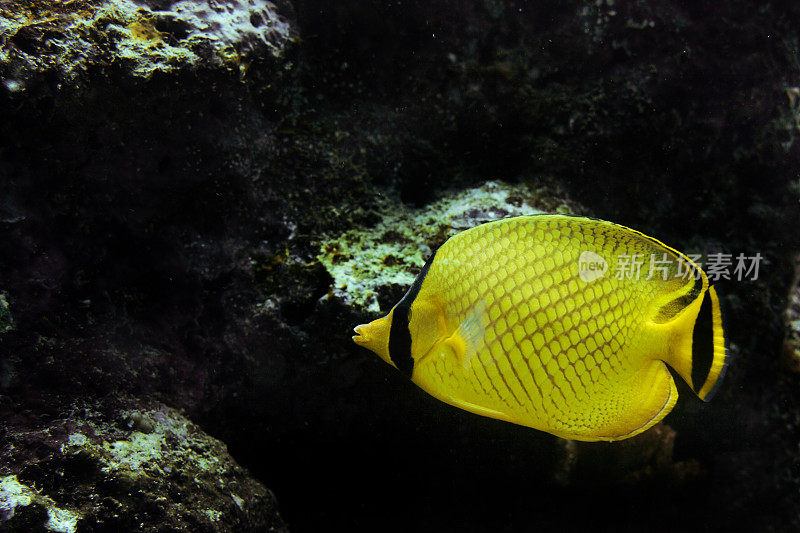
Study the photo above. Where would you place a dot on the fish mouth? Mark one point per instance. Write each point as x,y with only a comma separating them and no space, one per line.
361,336
374,336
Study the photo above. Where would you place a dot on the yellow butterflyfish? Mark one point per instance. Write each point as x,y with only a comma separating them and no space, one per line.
563,324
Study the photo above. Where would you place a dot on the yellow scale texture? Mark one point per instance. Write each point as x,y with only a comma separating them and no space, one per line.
558,353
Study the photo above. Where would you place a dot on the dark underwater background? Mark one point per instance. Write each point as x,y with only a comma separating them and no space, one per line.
196,210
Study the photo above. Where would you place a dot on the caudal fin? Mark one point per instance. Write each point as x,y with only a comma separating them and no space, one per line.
709,356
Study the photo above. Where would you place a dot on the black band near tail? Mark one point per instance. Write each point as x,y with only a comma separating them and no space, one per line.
702,344
399,334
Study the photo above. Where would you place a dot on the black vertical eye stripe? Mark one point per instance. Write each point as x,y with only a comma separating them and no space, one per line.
399,334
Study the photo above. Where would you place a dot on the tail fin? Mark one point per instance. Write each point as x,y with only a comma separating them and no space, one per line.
697,344
709,355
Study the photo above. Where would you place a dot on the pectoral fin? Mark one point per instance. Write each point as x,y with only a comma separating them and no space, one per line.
468,338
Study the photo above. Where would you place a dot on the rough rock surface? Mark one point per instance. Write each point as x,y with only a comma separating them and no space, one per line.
141,37
70,458
129,467
791,345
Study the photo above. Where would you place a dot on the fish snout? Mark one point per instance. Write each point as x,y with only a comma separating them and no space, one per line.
361,337
375,336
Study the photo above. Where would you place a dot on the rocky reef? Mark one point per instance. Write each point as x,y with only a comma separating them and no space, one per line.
70,38
139,468
198,200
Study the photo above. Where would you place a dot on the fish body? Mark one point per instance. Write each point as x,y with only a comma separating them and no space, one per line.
547,321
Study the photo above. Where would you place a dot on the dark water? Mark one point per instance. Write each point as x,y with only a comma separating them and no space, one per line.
161,242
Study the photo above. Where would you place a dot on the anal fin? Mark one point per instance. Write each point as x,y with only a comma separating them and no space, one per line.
478,409
652,398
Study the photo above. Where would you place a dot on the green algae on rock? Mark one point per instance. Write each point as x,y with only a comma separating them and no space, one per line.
126,467
26,503
6,318
71,37
392,251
